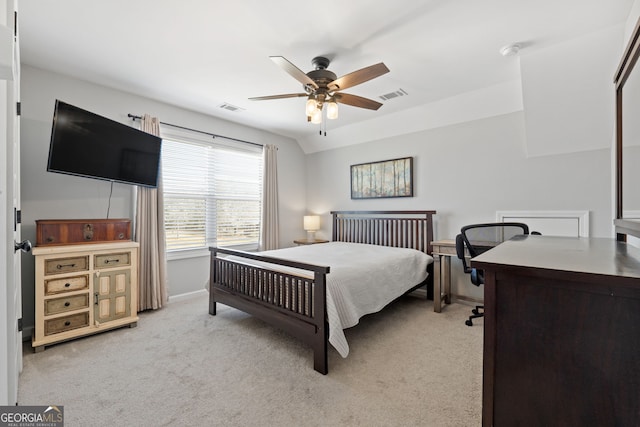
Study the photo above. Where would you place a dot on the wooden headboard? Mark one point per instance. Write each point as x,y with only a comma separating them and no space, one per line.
403,229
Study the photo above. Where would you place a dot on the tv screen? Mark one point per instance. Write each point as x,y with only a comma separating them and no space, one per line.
86,144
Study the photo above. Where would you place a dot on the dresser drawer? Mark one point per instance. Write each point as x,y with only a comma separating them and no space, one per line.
67,284
67,323
66,265
112,260
60,305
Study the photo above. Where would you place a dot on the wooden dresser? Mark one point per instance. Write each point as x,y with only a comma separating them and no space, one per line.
84,289
562,332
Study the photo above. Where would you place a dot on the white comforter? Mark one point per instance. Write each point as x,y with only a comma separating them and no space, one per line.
362,280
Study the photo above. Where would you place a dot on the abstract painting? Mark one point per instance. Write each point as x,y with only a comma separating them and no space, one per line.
387,178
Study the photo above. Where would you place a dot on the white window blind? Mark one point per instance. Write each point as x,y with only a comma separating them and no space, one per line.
212,193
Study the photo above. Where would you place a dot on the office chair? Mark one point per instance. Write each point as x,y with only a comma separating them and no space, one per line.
479,238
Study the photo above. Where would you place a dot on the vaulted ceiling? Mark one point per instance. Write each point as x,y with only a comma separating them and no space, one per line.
210,56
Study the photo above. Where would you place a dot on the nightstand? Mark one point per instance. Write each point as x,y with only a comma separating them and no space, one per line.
309,242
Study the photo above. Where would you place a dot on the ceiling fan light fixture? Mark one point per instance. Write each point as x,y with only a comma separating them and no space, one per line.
311,106
332,110
316,116
322,86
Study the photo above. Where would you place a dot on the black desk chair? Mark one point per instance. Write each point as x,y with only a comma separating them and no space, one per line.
479,238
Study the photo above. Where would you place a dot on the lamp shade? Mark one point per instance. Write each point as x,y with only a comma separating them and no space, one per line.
311,222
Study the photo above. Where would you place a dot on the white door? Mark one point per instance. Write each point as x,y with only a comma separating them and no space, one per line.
11,358
6,254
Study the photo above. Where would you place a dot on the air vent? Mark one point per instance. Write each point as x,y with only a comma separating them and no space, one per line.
395,94
227,106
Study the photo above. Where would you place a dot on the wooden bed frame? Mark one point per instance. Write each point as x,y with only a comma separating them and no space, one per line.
297,304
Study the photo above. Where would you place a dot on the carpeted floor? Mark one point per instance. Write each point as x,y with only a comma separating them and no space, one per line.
408,366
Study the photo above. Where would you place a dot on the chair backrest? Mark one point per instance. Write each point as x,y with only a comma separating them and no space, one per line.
479,238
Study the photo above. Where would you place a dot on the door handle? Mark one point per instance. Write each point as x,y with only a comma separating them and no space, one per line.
24,246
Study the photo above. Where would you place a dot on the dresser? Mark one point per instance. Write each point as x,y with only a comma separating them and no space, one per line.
562,332
84,289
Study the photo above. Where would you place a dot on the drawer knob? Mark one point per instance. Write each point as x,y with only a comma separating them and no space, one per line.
111,260
61,266
67,304
67,285
67,323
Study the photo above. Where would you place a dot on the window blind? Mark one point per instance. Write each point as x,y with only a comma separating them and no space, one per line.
212,193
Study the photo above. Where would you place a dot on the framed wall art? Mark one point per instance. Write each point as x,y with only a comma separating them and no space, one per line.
387,178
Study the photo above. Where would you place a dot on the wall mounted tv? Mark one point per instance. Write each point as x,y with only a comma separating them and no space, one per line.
86,144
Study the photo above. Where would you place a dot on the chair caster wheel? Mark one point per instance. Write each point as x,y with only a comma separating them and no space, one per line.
468,323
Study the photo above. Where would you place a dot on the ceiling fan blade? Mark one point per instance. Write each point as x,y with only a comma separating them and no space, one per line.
294,71
286,95
357,101
359,76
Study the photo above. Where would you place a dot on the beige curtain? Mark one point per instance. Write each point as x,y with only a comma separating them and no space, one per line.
152,274
269,223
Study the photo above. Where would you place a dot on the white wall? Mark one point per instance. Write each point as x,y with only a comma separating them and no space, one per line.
468,171
48,195
568,93
465,171
634,14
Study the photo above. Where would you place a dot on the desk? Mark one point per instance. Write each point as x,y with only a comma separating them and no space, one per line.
561,342
443,251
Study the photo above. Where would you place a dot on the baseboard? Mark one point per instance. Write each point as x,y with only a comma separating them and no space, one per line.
420,292
187,295
466,300
27,333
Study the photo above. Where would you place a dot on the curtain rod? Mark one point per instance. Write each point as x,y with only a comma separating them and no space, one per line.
134,117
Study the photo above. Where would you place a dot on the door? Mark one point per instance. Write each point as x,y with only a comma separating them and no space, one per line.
10,327
112,295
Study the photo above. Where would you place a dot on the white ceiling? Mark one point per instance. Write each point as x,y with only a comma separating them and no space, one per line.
200,54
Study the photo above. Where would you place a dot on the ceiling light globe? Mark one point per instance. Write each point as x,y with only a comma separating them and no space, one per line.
311,106
332,110
316,117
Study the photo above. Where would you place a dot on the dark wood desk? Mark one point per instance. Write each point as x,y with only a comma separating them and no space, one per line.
562,332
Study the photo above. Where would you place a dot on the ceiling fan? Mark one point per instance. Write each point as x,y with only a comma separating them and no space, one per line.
322,86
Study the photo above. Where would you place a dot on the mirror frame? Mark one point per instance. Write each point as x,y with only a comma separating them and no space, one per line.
623,226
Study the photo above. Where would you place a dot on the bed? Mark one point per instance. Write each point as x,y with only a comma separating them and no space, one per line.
314,292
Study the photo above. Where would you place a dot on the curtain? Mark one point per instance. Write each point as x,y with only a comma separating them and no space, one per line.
152,269
269,221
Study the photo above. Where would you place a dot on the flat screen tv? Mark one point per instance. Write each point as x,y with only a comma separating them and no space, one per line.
88,145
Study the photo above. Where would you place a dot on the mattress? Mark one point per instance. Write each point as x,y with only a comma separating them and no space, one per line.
363,279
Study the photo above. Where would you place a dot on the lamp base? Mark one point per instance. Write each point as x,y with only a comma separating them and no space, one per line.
311,236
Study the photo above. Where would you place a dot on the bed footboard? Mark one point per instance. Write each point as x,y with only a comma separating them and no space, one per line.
289,295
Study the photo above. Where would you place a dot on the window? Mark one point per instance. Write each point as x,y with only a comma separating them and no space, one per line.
212,193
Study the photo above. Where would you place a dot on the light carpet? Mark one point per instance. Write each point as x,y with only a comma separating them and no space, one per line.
408,366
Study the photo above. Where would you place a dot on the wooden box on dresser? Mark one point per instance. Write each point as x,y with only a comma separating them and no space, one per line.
84,289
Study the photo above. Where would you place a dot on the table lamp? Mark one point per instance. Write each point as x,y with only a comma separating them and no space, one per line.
311,225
